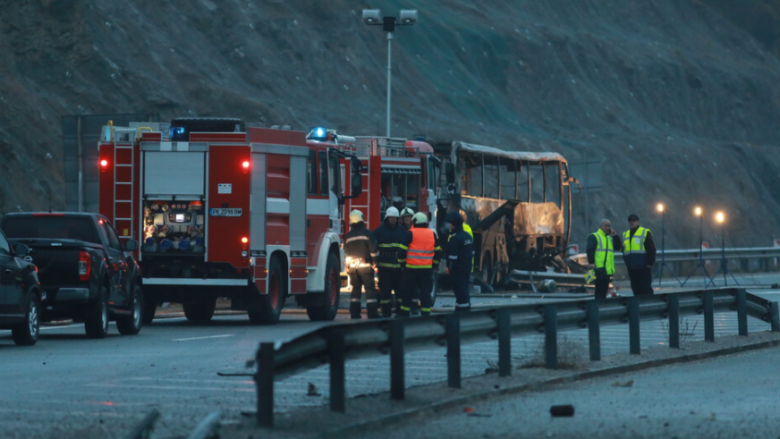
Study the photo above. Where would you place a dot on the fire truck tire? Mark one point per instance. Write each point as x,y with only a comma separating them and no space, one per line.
330,308
131,324
200,311
271,304
435,288
96,316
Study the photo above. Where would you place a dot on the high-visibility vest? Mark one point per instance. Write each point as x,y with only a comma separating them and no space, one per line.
422,249
634,253
605,252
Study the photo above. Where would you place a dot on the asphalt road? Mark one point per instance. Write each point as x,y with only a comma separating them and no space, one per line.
728,397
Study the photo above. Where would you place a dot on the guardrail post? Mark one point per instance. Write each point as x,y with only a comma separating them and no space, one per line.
264,381
397,385
551,336
453,350
504,344
337,359
742,312
774,315
674,321
633,325
594,330
709,316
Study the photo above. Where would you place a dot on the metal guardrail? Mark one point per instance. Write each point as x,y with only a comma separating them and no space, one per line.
692,255
394,337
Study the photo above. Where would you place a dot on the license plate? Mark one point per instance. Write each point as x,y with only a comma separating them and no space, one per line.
229,211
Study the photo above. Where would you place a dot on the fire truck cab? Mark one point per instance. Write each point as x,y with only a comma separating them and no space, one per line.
222,210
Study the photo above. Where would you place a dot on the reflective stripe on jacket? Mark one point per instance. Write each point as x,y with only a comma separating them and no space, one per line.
634,253
605,253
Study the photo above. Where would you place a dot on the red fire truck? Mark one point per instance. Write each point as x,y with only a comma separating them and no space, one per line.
225,211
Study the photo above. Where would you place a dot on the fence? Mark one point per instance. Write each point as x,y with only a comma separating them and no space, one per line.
335,344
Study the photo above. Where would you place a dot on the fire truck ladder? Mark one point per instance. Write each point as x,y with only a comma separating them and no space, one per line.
124,225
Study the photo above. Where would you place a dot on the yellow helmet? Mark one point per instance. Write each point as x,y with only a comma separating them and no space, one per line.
355,216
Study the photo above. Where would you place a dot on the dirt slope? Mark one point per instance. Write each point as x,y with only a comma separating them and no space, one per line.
680,102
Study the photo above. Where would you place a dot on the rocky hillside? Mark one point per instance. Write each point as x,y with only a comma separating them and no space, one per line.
681,103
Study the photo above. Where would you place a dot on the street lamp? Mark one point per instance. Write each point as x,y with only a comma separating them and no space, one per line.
373,17
720,218
699,212
659,274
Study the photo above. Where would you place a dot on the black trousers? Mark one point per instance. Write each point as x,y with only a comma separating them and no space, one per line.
602,284
460,285
641,281
359,278
417,282
389,282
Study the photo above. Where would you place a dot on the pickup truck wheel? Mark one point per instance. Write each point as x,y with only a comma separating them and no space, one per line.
201,311
131,324
330,308
96,316
149,308
271,304
26,334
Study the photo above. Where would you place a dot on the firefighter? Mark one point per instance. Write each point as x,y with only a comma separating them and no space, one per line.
419,254
406,218
460,257
361,252
389,237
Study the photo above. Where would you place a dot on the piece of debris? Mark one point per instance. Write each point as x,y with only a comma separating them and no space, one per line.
468,410
562,410
313,391
628,383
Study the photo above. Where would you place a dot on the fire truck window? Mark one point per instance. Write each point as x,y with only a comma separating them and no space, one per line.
335,174
323,173
508,179
473,165
537,182
491,177
553,172
413,192
311,173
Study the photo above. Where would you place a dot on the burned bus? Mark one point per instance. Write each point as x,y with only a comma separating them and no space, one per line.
518,205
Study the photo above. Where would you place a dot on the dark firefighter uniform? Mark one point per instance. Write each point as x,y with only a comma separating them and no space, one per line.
419,254
389,239
361,251
460,256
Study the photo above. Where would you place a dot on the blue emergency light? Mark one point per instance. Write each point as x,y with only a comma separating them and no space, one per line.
319,133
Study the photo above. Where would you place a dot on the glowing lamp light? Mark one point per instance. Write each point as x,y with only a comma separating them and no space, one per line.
245,165
720,217
697,211
103,165
166,244
244,240
660,207
320,133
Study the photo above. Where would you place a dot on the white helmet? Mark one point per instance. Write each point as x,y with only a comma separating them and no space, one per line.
355,216
392,212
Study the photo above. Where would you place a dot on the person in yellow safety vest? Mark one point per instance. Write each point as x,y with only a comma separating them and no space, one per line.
639,256
406,218
389,236
419,254
602,246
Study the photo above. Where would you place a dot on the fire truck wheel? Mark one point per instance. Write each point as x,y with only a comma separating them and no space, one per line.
96,316
271,304
131,324
328,310
200,311
435,288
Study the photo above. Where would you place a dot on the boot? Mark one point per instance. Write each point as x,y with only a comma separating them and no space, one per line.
372,309
415,308
354,310
387,310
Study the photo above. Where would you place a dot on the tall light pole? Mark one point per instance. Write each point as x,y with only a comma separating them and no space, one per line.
720,218
373,17
660,273
699,212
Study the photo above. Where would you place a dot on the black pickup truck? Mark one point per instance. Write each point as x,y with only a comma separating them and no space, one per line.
20,293
86,274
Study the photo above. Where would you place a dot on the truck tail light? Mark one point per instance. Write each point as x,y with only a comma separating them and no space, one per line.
245,165
244,243
103,165
85,266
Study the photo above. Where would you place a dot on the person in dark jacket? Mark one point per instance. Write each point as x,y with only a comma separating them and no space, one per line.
602,246
639,256
460,254
361,252
389,237
419,256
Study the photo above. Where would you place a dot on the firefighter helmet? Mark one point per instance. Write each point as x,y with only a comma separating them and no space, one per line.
420,218
407,212
355,216
392,212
